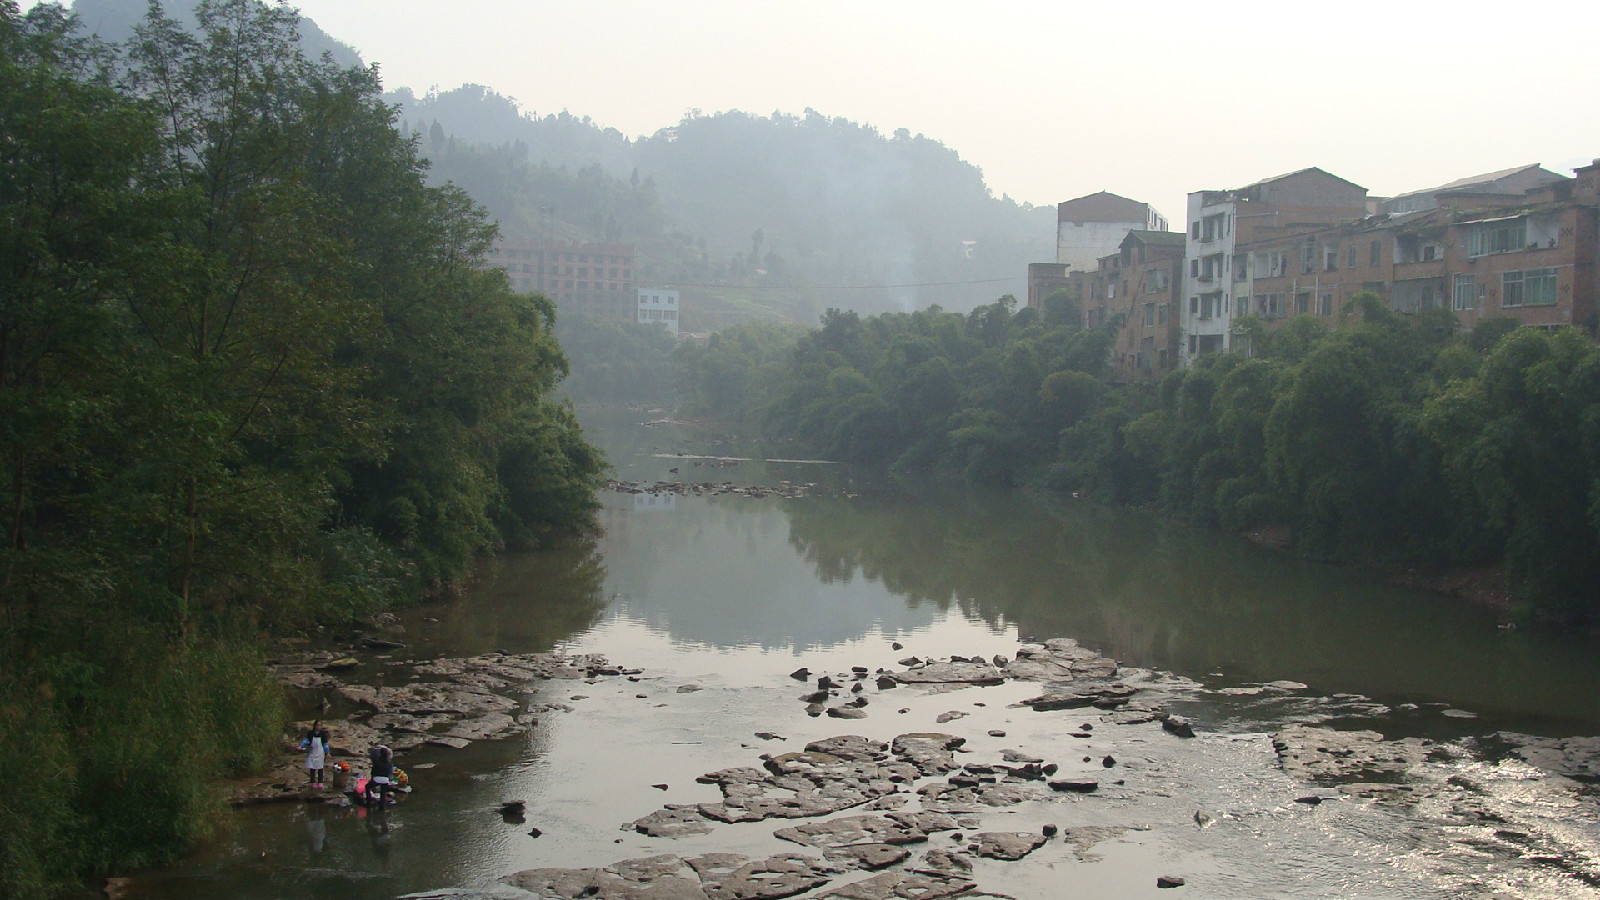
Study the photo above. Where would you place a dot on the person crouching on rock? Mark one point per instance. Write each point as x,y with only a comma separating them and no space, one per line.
315,743
382,759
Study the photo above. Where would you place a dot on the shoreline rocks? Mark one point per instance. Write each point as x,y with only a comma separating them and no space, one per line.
471,702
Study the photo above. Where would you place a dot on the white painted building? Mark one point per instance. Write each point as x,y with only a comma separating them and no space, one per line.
1223,225
1091,227
659,306
1208,256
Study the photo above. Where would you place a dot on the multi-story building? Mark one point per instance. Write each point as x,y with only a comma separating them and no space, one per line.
1093,226
1493,187
589,279
1481,253
1221,222
1138,290
1045,279
659,306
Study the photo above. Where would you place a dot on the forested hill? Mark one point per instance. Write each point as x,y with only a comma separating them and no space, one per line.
833,208
777,216
114,20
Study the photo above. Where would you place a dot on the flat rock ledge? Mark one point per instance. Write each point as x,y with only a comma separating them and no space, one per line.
462,701
1074,677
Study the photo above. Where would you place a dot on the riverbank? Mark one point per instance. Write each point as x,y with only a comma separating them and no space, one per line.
1069,760
718,596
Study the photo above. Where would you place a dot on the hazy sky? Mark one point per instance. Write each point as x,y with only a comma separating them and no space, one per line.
1052,100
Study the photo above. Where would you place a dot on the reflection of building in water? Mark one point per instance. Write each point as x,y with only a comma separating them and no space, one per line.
655,501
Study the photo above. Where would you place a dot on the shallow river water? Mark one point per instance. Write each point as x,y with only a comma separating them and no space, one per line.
728,594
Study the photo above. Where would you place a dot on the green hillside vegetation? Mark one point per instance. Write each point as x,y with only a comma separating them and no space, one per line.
1390,440
792,214
254,374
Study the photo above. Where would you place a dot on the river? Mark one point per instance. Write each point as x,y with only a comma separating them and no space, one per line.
724,595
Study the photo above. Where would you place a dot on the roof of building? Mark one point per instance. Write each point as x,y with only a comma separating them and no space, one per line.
1103,206
1159,238
1489,180
1304,171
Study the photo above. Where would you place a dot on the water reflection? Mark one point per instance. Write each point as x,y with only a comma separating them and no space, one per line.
1153,593
522,603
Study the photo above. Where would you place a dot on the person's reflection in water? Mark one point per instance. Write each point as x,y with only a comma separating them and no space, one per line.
378,829
317,831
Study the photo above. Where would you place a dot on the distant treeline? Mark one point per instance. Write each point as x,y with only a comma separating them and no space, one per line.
253,373
809,202
1389,440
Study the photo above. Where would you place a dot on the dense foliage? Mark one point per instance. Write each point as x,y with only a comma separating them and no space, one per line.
1388,440
617,362
252,371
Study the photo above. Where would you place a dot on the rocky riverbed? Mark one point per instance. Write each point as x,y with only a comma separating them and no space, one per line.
943,813
447,703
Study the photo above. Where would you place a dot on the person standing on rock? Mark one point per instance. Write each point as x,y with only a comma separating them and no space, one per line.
315,744
382,759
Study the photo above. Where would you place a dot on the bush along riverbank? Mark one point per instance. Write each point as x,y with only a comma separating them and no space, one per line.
1389,441
254,375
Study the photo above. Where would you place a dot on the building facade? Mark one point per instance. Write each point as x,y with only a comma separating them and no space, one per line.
1479,254
1045,279
595,280
1093,226
1137,290
1220,223
658,306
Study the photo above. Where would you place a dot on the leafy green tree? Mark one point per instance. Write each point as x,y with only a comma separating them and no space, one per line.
1521,441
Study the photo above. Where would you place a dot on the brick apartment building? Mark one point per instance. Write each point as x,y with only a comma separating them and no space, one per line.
591,279
1221,223
1520,243
1139,289
1479,247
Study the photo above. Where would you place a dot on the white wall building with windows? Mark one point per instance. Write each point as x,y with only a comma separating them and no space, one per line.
659,306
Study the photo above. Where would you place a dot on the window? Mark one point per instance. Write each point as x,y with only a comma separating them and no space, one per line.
1377,253
1308,259
1156,281
1325,307
1302,302
1275,264
1241,267
1330,259
1161,314
1149,314
1194,266
1466,292
1194,231
1350,257
1496,237
1533,287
